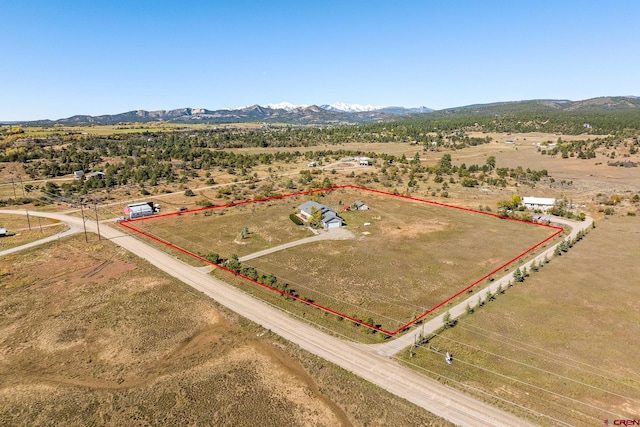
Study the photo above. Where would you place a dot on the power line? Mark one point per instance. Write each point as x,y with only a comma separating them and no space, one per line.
481,391
557,357
536,368
560,395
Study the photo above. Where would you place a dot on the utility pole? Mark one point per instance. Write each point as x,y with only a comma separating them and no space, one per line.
28,221
21,185
86,239
14,188
95,209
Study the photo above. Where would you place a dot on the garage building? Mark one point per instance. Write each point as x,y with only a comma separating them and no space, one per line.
138,210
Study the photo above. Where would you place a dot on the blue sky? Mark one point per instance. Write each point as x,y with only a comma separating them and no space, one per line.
61,58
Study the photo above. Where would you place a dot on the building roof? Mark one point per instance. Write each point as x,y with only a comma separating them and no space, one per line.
137,208
328,214
332,219
538,201
3,231
140,208
358,203
307,206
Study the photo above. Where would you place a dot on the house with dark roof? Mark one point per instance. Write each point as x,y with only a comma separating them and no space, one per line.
330,218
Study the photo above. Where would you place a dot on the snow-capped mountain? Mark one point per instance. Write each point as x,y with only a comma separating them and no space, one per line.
351,108
338,106
284,106
339,113
283,112
341,107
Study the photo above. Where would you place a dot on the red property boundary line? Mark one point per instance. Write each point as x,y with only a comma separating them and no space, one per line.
127,224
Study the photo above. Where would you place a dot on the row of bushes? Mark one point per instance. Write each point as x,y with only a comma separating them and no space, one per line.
295,219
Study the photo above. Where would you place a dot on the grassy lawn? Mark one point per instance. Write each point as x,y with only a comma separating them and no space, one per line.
563,342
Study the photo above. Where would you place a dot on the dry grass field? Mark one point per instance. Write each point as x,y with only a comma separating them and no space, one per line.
408,259
89,341
21,230
218,230
563,343
92,335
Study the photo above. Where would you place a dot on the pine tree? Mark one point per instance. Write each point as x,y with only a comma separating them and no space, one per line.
517,275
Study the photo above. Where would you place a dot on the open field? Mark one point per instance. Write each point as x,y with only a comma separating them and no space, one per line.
562,343
90,334
410,258
218,230
558,310
21,230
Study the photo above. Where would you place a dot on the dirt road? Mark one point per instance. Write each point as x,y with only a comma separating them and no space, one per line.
332,234
362,360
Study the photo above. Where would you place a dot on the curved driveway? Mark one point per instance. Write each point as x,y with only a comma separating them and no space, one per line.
73,229
369,362
331,234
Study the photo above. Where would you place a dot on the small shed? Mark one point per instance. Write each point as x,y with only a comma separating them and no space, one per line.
3,232
364,161
360,205
78,175
99,174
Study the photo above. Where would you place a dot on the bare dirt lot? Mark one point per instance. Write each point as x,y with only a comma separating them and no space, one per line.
90,335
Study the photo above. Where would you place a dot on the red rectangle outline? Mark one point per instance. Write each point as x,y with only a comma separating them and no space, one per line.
126,224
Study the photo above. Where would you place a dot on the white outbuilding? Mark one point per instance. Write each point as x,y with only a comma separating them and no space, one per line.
138,210
540,203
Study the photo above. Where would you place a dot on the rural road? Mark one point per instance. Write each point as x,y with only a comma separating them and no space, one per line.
373,363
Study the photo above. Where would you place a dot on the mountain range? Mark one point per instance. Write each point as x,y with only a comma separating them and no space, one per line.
340,113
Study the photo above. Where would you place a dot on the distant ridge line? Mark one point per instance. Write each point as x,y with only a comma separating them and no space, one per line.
333,115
